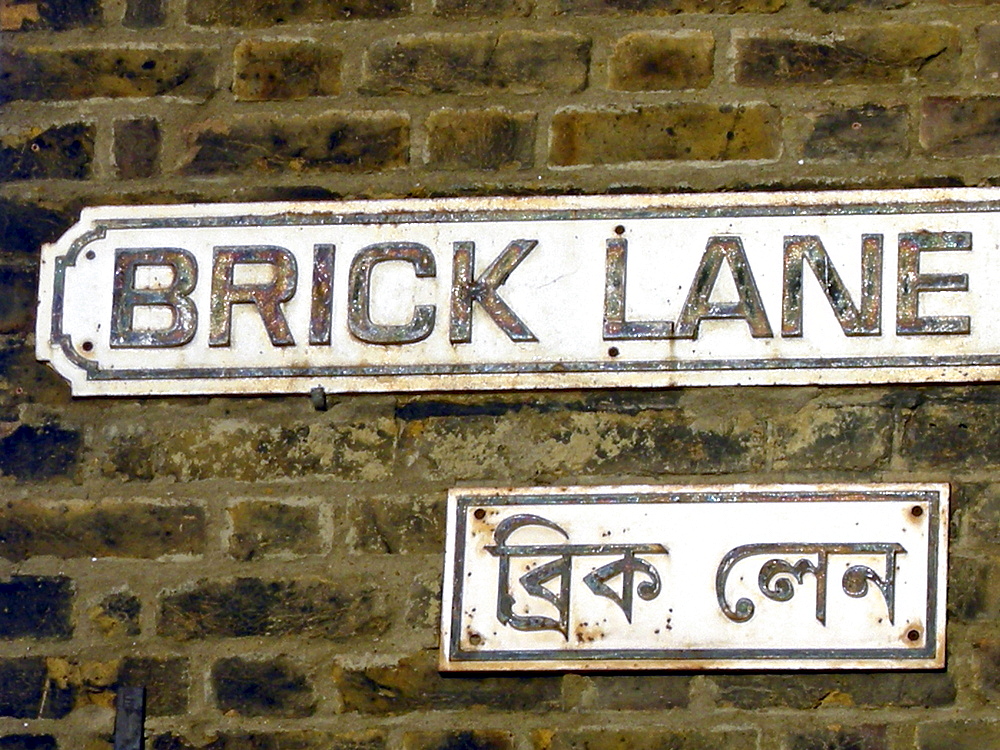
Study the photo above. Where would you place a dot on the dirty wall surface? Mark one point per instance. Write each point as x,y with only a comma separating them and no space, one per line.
272,573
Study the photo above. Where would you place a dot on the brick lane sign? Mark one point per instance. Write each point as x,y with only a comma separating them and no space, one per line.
639,291
737,577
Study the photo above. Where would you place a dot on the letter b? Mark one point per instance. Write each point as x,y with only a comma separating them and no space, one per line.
175,297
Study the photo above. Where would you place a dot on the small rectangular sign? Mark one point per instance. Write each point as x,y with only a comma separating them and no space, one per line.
744,577
570,292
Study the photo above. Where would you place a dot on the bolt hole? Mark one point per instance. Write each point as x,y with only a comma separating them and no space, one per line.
475,639
613,351
619,229
91,255
87,346
916,511
913,635
480,514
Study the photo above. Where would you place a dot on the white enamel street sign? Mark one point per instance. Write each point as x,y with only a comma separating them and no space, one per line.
634,291
737,577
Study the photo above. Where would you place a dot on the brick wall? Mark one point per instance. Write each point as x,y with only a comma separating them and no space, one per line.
272,573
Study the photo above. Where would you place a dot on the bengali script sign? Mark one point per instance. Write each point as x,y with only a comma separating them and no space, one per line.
746,577
639,291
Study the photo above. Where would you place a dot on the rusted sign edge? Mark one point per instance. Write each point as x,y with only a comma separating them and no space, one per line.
931,656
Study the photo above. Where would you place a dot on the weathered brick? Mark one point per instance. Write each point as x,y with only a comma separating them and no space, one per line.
38,74
414,683
458,740
62,151
521,62
679,132
302,740
58,15
25,226
266,527
846,437
881,54
975,514
261,13
954,434
39,452
344,142
809,691
870,131
18,290
987,655
694,739
483,8
28,742
970,587
137,148
869,737
956,127
274,70
352,448
480,139
36,607
988,56
647,692
670,7
117,614
165,679
144,14
836,6
652,61
103,528
392,524
26,692
248,607
273,687
958,735
517,441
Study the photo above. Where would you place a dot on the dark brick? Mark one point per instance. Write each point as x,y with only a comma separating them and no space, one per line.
144,14
866,132
40,452
253,607
303,740
118,614
845,437
60,152
348,142
267,527
478,740
650,61
274,687
36,607
970,583
24,227
27,693
262,13
18,291
391,524
28,742
802,691
165,679
882,54
40,74
958,735
988,59
861,738
270,70
59,15
956,127
679,132
483,8
415,684
521,62
137,148
952,435
693,739
481,139
111,528
670,7
648,692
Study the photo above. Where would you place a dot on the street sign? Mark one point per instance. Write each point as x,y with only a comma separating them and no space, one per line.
720,577
459,294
